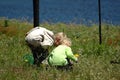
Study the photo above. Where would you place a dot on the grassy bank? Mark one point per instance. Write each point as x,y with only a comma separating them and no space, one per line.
94,61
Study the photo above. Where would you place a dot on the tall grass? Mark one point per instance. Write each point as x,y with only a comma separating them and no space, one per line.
94,61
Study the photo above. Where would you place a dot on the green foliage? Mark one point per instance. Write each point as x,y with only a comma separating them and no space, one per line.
6,23
94,60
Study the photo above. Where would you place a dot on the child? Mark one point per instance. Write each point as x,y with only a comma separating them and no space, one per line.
61,55
58,37
39,39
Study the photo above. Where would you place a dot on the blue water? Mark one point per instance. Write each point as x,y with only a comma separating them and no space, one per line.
66,11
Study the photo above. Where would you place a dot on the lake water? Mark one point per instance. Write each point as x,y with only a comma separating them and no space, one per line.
66,11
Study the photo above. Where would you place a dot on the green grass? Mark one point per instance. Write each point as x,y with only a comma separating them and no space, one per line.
94,61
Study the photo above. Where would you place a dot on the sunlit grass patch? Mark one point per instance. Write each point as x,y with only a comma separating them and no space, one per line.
93,62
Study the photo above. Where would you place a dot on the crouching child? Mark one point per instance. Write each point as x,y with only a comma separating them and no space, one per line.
60,56
39,39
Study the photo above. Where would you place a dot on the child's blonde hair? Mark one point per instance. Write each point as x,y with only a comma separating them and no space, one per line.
59,38
67,41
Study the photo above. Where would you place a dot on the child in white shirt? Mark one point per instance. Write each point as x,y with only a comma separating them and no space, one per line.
39,39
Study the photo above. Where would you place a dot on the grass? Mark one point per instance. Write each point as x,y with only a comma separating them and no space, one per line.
94,61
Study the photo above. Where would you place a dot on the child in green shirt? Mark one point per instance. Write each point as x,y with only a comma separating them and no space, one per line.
61,55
